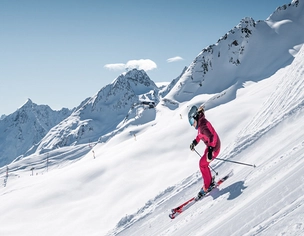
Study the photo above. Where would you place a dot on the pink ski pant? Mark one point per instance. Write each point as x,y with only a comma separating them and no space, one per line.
204,167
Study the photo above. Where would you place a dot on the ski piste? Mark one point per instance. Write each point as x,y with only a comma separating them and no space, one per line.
178,210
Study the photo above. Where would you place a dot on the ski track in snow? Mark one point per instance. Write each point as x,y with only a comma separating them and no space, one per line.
287,98
157,202
276,172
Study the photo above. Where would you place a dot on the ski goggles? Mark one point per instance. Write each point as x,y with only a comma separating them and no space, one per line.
191,121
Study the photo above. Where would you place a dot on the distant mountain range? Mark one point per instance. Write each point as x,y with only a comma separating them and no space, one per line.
25,127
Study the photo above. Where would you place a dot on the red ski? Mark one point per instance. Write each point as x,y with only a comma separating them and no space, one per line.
178,210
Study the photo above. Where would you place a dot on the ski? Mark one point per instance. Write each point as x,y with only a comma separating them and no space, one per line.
178,210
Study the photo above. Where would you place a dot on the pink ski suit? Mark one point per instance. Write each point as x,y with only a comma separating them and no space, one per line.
209,136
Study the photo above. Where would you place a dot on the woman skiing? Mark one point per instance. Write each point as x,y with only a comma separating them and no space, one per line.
207,133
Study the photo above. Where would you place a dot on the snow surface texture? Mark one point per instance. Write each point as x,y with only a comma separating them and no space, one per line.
82,179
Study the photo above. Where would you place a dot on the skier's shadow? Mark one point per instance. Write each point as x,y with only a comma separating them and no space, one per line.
235,190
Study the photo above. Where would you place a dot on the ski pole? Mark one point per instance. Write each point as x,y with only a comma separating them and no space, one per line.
209,165
213,170
236,162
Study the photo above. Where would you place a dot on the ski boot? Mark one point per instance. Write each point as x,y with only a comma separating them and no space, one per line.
204,191
212,184
200,194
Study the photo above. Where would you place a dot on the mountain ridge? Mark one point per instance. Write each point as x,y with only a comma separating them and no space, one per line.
26,127
103,112
234,53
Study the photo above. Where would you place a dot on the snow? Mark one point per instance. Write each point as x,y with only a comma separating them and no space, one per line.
127,181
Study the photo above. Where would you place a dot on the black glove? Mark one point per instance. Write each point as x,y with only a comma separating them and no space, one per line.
193,144
210,151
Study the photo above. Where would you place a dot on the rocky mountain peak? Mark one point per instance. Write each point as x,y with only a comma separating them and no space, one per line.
103,112
25,127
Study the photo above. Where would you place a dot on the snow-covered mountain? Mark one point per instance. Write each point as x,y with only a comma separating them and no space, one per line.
251,51
25,127
123,102
115,166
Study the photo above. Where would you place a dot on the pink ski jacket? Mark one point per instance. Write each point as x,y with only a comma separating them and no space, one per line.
207,133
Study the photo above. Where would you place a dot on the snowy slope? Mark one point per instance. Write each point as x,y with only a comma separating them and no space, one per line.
127,182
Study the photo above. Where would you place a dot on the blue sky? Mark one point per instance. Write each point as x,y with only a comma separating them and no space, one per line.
60,52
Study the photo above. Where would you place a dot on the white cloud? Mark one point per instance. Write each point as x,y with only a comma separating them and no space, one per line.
174,59
142,64
117,66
